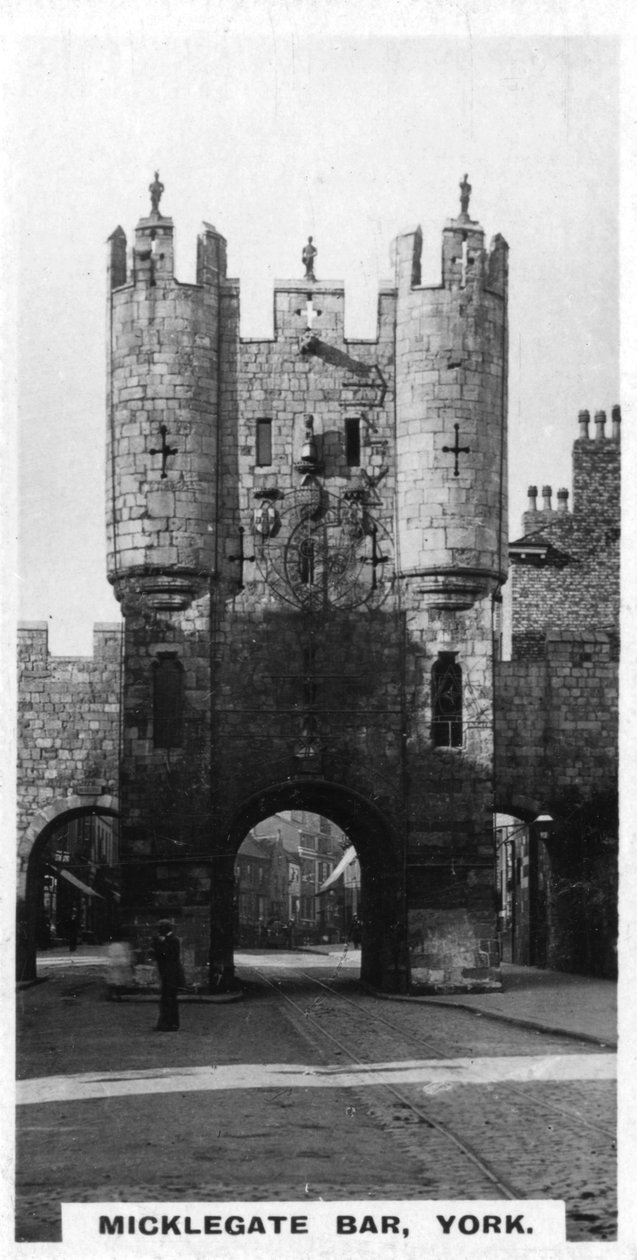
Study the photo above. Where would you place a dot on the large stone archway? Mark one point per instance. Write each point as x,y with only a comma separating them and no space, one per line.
33,841
384,962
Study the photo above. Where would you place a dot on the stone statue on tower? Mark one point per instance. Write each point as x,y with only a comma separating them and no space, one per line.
155,189
308,256
465,193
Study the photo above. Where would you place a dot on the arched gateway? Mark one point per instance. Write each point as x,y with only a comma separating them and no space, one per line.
43,827
382,909
305,535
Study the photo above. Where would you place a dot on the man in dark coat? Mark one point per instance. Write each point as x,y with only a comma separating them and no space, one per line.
166,949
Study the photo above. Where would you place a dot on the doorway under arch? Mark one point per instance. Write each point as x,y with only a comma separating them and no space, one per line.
32,851
384,951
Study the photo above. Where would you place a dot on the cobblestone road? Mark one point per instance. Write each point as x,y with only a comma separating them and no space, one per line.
544,1136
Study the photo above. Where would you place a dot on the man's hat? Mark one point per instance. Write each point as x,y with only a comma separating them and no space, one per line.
165,925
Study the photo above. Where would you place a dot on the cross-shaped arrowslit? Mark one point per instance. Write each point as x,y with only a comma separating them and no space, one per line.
466,260
456,450
308,311
164,450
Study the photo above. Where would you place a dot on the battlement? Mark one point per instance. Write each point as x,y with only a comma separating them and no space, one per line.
152,259
466,264
33,642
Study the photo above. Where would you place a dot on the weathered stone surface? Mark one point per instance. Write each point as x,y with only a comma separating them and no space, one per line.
68,728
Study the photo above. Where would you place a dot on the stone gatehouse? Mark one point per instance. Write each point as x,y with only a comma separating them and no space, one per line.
308,539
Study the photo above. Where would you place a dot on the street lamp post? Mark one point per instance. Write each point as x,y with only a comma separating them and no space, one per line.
542,830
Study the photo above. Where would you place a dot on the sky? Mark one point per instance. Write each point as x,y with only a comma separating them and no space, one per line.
274,124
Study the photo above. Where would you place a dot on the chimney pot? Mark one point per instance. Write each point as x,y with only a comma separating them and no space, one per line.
532,498
600,425
584,421
562,500
546,495
616,417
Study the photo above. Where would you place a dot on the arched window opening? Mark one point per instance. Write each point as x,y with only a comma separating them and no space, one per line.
446,701
168,703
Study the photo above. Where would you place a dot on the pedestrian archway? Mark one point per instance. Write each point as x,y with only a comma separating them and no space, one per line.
68,875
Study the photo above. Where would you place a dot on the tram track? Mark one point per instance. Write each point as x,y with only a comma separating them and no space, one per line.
507,1189
436,1052
508,1104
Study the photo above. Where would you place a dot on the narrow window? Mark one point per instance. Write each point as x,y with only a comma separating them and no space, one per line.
168,706
446,701
264,442
353,441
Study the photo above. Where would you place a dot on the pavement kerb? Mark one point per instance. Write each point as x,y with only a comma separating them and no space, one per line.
518,1020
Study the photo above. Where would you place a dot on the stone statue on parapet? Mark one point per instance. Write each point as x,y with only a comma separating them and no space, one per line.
308,256
155,189
465,193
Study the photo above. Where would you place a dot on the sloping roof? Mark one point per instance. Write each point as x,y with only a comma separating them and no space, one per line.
537,546
253,847
534,539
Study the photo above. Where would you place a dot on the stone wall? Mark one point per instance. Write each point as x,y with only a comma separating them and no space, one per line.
556,724
68,744
68,719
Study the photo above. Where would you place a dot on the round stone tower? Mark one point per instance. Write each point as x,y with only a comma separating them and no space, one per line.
451,400
162,415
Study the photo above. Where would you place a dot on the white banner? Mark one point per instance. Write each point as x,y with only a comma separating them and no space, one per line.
317,1231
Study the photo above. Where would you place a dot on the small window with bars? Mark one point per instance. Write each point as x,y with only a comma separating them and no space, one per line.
446,701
